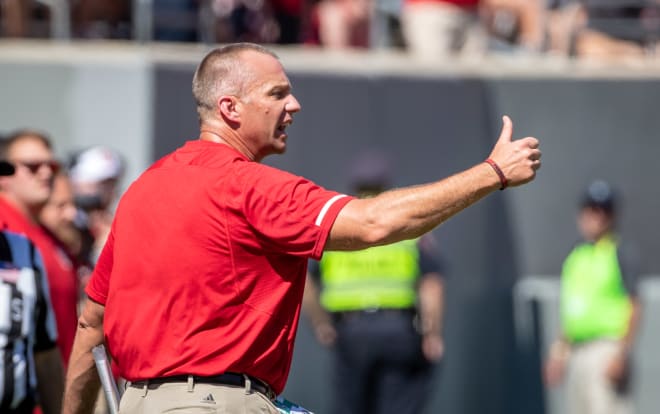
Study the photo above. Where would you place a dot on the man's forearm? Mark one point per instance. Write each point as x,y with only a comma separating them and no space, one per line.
81,390
409,212
82,380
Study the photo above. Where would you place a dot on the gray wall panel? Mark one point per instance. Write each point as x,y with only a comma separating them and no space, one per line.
37,96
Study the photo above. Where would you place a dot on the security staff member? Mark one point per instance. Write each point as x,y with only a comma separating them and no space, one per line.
599,312
380,309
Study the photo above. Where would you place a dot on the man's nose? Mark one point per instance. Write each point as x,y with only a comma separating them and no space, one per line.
293,105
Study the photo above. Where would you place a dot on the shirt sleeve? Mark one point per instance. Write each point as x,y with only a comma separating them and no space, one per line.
97,288
291,214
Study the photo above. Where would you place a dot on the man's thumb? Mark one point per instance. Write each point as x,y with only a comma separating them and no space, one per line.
507,129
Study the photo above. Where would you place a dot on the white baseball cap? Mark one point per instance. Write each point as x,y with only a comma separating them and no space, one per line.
96,164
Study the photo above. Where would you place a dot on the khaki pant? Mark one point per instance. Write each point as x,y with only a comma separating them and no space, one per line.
179,397
589,391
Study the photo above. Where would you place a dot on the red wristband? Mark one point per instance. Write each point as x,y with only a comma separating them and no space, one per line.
503,181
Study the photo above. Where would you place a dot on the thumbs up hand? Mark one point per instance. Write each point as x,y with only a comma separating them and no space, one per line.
518,159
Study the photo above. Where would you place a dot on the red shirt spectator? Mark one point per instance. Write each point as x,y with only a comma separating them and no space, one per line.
60,271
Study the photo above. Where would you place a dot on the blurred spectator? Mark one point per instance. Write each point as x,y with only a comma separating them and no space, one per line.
600,312
562,19
618,29
343,23
95,176
64,18
102,19
381,311
439,28
22,198
385,25
31,364
292,19
59,215
518,23
244,21
24,18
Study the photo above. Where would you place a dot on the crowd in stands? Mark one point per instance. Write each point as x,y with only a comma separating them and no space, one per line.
425,28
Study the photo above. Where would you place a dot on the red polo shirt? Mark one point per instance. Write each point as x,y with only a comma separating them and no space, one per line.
61,272
205,266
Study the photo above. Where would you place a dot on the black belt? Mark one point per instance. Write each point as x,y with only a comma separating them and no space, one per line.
228,378
362,313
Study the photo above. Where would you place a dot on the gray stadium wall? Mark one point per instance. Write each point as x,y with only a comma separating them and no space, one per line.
435,119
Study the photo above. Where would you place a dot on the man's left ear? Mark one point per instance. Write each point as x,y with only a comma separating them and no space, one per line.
229,108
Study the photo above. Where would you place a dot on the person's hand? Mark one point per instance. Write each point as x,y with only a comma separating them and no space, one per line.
517,159
555,366
433,347
554,371
617,369
325,333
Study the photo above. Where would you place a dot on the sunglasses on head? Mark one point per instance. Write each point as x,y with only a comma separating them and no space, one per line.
34,166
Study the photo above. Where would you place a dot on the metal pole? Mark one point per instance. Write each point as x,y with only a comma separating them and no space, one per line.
107,381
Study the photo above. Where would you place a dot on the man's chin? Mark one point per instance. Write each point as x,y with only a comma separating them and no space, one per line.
279,147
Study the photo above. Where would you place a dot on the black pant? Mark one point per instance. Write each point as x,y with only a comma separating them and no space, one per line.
379,365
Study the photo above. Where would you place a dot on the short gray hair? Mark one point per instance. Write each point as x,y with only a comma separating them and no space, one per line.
222,72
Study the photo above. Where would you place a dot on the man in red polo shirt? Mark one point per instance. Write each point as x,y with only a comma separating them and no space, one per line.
198,290
22,196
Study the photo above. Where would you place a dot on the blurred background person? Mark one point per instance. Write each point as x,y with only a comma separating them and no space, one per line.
22,198
342,24
440,28
619,29
30,364
24,18
101,19
292,20
95,174
515,24
385,25
380,310
59,215
599,311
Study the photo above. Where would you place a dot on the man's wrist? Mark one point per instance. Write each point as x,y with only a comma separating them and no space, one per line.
504,183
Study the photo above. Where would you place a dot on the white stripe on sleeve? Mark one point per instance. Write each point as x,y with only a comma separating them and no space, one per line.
326,207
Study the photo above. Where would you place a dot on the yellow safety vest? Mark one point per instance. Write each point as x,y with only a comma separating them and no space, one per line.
377,277
594,301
